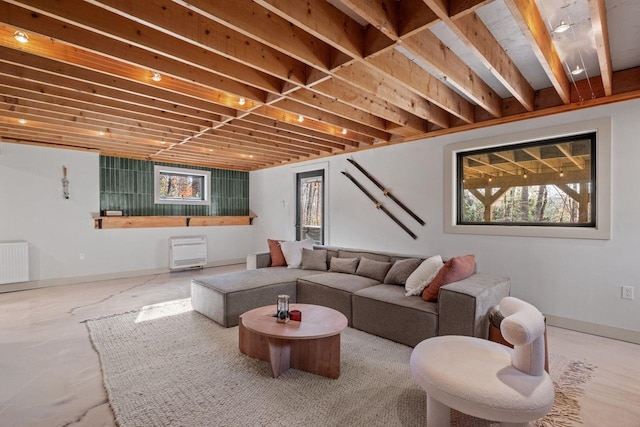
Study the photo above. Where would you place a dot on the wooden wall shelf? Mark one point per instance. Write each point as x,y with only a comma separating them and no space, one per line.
104,222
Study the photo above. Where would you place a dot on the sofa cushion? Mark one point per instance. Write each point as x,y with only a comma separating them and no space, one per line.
346,282
401,270
385,311
423,275
343,265
359,254
277,257
455,269
314,259
293,251
376,270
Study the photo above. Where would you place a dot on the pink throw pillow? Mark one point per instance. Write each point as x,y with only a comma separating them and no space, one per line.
455,269
277,257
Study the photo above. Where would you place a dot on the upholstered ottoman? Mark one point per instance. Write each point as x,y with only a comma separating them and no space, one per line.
224,297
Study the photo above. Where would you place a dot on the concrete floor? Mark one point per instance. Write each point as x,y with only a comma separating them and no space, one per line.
50,374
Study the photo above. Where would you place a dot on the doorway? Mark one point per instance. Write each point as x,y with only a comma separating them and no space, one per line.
310,206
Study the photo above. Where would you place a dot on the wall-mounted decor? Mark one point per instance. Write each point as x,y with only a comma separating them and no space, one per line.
386,191
65,183
379,205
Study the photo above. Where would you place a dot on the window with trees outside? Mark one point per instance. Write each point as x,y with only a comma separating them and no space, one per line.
181,186
542,183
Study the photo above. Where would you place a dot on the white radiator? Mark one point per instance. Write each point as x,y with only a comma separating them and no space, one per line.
187,252
14,262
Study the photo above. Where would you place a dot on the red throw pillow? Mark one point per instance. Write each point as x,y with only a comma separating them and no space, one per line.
277,257
455,269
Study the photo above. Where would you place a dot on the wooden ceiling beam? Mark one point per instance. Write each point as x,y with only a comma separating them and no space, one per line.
600,28
281,116
98,82
300,146
107,114
250,145
429,49
478,39
528,18
177,21
365,101
65,94
413,77
280,133
26,110
332,26
371,80
324,21
306,133
121,40
266,27
281,144
329,119
333,106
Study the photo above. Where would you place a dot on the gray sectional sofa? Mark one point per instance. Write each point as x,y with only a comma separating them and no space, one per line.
368,304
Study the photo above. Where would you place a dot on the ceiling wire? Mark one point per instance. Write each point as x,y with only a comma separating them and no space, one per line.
575,39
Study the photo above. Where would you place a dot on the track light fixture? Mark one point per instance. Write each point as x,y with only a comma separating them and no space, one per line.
578,70
562,27
20,36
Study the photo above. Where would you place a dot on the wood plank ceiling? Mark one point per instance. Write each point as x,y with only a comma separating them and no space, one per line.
250,84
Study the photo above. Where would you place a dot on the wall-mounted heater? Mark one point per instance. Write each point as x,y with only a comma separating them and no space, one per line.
14,262
187,252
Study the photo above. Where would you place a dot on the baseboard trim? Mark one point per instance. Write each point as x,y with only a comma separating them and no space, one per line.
37,284
594,329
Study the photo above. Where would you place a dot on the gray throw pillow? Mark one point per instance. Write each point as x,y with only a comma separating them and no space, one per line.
314,259
343,265
401,270
376,270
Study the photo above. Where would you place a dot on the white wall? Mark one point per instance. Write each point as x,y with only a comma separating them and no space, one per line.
574,279
32,208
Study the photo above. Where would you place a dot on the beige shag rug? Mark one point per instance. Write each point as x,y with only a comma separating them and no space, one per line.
167,365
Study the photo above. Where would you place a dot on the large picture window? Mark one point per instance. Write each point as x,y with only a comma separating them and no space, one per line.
553,182
542,183
181,186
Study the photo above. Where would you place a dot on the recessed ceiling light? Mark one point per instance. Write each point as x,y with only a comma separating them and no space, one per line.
22,121
101,132
242,101
21,37
300,118
562,27
344,131
577,71
251,156
156,77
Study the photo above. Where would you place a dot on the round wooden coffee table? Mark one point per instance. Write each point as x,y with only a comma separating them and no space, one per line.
311,345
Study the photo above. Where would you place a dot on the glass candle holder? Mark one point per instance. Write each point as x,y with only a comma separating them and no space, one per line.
282,306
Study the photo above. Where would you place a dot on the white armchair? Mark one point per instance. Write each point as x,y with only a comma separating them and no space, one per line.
485,379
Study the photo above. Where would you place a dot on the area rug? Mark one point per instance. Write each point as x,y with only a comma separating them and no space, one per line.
167,365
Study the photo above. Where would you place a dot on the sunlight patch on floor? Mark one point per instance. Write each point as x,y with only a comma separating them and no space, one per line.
164,309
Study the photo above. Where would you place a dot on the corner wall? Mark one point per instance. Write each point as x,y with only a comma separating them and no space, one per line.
32,208
575,281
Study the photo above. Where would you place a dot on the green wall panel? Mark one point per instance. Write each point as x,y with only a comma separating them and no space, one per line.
127,185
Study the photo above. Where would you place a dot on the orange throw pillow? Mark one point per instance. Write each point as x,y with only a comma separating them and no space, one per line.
277,257
455,269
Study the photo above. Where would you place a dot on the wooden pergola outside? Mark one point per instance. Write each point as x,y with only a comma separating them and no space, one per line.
489,175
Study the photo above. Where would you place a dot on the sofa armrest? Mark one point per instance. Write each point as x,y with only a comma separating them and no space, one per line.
258,260
463,306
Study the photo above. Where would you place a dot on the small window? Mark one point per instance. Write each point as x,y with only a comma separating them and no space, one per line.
543,183
181,186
